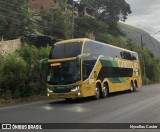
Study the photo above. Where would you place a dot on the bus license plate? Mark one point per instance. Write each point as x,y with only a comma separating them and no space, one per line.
61,95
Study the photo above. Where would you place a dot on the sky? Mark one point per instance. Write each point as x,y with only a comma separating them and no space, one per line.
145,15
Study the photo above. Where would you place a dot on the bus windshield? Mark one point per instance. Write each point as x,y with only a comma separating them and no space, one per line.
66,50
65,72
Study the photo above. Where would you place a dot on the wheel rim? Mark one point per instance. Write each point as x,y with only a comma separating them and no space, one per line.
131,88
97,93
134,87
105,92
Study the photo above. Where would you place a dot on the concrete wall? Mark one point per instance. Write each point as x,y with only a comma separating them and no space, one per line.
7,47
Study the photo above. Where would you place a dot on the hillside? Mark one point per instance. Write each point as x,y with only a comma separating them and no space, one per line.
134,34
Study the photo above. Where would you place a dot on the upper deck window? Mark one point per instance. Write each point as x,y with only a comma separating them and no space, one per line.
97,48
66,50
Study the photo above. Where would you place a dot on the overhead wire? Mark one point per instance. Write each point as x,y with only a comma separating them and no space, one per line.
39,23
41,14
146,34
11,4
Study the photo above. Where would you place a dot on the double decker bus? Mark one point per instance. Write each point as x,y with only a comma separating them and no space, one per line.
83,67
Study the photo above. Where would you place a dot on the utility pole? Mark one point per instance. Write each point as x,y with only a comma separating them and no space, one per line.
143,61
51,24
72,20
141,41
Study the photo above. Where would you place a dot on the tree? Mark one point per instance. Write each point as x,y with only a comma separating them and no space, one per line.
56,21
14,75
19,73
86,25
110,10
12,15
17,20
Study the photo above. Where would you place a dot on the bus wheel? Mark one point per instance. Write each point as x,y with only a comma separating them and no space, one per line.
97,92
132,87
105,91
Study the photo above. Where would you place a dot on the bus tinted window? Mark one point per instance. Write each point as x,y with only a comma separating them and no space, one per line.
66,50
97,48
128,55
87,66
114,72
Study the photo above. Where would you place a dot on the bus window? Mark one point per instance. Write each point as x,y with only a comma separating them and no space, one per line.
66,50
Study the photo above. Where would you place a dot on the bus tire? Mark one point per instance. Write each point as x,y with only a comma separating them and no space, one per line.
132,87
105,91
97,92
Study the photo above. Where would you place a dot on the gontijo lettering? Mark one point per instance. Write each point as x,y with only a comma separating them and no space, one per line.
127,64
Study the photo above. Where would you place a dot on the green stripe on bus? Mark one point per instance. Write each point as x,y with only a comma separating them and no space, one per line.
108,61
116,80
113,61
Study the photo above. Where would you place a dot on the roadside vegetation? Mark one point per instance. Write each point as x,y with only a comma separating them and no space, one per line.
20,76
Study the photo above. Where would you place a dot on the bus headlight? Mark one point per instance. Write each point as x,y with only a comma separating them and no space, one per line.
49,91
75,88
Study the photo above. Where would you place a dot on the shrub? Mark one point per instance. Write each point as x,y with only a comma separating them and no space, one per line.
20,75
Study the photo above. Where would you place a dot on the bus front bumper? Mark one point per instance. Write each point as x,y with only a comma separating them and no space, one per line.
53,95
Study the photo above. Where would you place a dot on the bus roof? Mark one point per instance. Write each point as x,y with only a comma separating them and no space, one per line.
86,39
72,40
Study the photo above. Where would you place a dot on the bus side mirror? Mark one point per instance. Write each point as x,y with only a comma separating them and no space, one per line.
43,65
78,58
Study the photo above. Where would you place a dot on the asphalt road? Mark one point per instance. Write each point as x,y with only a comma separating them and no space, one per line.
142,106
